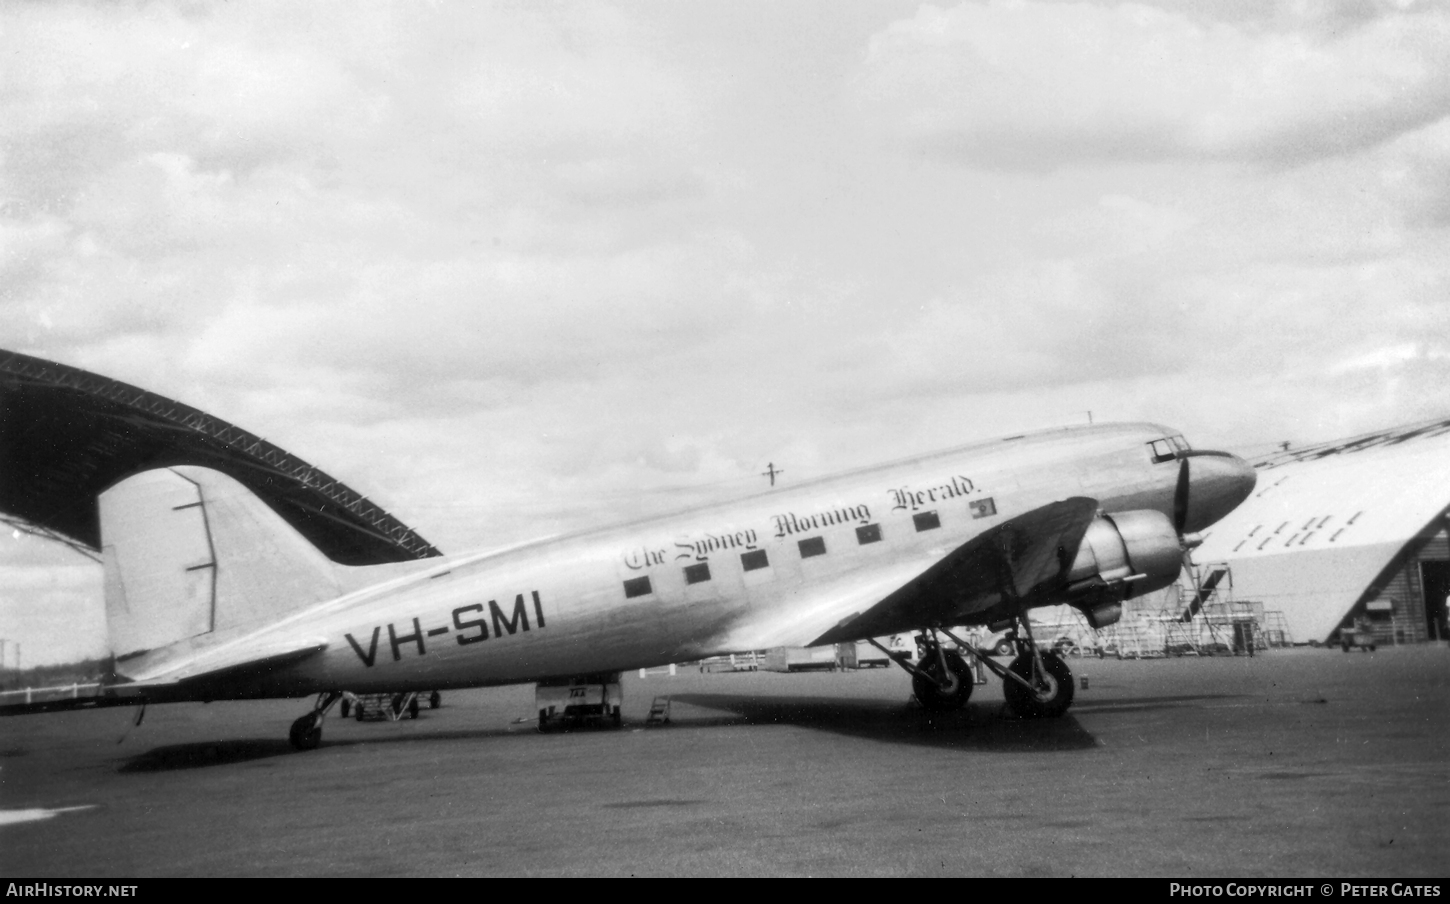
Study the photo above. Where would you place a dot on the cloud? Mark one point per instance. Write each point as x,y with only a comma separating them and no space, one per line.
1019,84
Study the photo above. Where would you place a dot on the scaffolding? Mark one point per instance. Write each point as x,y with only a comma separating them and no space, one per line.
1203,621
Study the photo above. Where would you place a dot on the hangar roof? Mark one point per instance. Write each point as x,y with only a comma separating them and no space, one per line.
1382,440
67,434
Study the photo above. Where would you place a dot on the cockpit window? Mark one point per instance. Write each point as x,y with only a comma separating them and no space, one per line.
1167,448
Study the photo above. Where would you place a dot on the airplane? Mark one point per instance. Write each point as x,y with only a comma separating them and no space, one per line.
211,595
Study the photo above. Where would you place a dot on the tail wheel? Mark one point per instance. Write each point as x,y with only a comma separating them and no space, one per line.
928,687
1052,696
306,732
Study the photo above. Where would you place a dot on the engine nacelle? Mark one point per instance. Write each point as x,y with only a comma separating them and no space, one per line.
1123,555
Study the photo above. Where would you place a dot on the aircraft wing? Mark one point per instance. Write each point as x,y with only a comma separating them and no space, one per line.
236,660
1024,559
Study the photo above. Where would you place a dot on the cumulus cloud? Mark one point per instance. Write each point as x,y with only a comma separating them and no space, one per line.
513,270
1024,84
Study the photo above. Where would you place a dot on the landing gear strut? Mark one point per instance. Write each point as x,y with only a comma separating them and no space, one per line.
306,732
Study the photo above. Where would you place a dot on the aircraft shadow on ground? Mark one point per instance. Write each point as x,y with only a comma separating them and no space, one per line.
203,754
206,753
979,726
975,727
984,726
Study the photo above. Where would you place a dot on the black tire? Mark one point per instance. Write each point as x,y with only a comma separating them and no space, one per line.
306,732
929,691
1053,702
413,708
357,712
344,707
435,700
543,720
618,719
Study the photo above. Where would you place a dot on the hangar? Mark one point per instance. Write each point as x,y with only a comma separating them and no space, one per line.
1346,531
67,434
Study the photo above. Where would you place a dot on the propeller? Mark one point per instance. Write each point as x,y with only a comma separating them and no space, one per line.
1180,520
1180,497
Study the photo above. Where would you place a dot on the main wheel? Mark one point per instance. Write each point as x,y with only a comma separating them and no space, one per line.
928,687
306,732
1051,699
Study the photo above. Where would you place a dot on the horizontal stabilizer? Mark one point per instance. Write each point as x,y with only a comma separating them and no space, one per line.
233,660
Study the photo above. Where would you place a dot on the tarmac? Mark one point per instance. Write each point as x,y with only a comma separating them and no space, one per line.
1293,763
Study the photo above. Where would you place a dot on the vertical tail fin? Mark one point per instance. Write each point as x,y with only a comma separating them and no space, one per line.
189,551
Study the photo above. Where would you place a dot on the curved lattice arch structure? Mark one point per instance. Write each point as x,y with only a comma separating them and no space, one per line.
67,434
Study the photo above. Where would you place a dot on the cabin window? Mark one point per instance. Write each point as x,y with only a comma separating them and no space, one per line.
698,573
637,587
812,546
868,533
926,521
983,508
754,560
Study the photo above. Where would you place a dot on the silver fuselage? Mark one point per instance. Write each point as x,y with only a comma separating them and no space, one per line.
621,598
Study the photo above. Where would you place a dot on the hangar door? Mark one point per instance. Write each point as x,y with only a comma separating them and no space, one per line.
1435,581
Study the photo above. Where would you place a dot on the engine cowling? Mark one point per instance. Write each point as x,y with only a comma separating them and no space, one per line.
1123,555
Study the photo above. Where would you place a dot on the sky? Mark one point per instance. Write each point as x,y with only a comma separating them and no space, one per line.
511,269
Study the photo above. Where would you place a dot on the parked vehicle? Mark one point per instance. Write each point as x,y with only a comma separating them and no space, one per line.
1359,635
573,699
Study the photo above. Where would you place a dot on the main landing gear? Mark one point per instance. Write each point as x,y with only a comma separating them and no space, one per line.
306,732
1037,683
941,680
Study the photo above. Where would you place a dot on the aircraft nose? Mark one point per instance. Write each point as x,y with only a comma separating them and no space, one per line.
1218,482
